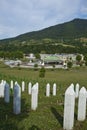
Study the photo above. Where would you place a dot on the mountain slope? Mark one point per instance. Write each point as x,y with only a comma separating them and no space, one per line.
76,28
69,37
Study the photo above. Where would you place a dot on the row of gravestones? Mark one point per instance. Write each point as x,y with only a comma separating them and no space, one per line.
69,106
33,90
37,84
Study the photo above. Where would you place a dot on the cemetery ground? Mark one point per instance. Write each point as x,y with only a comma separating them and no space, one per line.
49,114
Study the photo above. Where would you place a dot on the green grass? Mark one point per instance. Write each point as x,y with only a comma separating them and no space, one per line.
49,114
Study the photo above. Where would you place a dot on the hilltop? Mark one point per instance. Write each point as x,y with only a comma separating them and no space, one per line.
67,35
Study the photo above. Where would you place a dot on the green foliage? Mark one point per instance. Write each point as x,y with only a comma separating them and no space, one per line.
42,72
35,67
11,55
85,57
69,64
78,58
62,38
37,55
53,67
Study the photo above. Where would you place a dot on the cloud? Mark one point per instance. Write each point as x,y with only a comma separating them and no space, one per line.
83,9
19,16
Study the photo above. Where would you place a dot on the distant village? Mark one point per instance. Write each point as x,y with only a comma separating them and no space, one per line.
45,60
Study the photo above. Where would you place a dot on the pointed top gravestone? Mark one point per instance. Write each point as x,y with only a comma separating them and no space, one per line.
29,87
16,83
23,86
17,99
82,104
69,105
77,90
37,86
2,87
48,90
54,89
34,98
72,86
7,93
2,81
12,84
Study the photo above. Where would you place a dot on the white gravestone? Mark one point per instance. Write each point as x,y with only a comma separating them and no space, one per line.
1,90
12,84
17,99
48,90
23,86
34,98
69,105
2,87
77,90
82,104
54,89
29,87
37,86
7,93
72,86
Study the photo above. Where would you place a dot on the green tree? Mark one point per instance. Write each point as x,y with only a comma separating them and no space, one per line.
69,64
85,59
35,66
53,67
78,59
37,55
42,72
18,54
2,54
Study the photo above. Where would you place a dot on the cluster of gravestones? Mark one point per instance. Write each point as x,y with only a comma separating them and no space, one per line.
69,105
33,90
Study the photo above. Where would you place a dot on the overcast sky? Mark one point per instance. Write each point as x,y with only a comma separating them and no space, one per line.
21,16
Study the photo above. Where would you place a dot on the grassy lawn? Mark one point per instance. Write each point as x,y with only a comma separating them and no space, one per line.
49,114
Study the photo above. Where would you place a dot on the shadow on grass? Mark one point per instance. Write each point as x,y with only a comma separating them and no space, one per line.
57,116
8,120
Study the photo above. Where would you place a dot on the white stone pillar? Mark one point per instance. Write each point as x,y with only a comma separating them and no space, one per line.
48,90
34,98
12,84
72,86
82,104
77,90
7,93
54,89
29,87
69,104
23,86
1,90
15,83
2,87
37,86
17,99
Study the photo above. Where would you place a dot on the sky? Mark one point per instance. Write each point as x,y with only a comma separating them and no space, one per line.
21,16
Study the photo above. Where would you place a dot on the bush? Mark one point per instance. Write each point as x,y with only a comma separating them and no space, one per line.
69,64
42,72
35,66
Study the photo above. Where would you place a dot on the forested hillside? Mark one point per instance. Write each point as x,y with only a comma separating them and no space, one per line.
69,37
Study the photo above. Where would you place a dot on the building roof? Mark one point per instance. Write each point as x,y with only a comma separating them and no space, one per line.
51,59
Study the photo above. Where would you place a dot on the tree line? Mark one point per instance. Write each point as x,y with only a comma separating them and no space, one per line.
11,55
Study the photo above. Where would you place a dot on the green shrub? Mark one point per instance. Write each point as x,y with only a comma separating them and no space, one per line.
42,72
